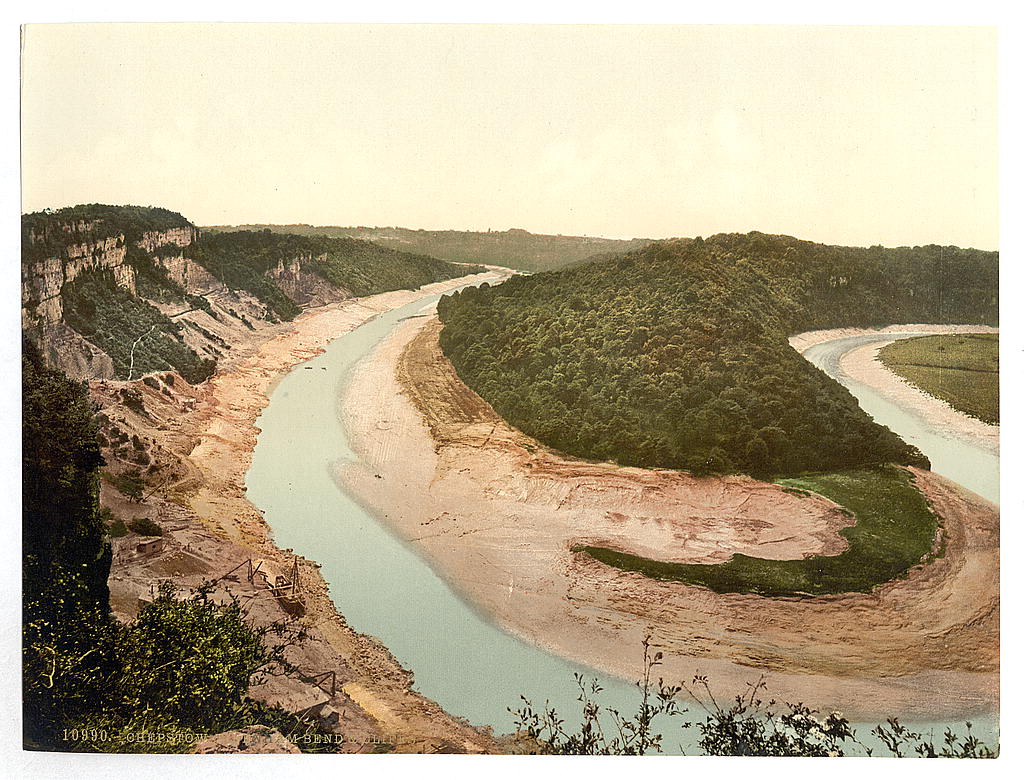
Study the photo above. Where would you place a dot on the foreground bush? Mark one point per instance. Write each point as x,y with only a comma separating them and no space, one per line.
90,683
748,726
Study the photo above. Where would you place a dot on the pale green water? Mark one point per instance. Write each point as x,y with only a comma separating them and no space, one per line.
470,666
969,465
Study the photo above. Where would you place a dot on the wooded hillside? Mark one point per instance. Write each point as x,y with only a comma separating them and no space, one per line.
677,355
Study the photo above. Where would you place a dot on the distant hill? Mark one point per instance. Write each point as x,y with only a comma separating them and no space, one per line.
513,248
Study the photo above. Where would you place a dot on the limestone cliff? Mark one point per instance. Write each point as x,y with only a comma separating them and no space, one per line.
48,263
302,285
124,291
195,279
58,249
42,280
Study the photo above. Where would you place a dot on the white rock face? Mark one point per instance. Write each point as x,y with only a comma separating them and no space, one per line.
183,236
42,280
302,285
188,273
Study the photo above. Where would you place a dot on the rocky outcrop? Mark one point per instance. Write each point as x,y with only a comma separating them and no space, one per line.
182,236
59,252
124,243
77,357
302,285
42,280
195,279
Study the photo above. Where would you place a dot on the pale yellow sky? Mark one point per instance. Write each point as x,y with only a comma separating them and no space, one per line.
842,135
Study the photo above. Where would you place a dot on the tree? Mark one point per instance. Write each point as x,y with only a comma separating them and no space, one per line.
65,557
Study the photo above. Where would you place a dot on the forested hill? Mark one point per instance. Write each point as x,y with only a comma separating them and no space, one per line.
361,267
677,356
514,248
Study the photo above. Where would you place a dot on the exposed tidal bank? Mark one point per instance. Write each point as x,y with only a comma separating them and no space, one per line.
862,365
497,515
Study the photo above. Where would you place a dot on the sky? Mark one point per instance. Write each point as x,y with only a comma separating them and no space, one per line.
846,135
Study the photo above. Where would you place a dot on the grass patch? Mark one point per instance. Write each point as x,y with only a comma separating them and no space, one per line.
960,369
895,530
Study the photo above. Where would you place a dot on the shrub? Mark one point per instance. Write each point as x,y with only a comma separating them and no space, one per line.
133,400
183,668
129,482
749,726
143,526
632,736
115,525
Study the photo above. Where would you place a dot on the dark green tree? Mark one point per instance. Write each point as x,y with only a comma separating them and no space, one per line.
66,559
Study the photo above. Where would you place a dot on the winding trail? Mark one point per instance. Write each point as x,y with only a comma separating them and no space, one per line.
131,366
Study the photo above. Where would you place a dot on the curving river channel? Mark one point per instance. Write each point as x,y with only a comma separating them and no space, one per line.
958,458
461,660
471,667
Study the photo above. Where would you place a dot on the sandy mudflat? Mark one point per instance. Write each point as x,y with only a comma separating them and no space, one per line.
496,514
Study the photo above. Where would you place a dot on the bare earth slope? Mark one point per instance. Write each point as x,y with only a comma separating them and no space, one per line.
496,514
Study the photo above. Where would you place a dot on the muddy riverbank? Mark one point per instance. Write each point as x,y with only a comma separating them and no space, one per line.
496,514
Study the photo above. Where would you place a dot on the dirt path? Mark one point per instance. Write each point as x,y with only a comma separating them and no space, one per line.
496,514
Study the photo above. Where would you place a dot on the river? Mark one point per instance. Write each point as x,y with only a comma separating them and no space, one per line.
383,587
379,583
960,459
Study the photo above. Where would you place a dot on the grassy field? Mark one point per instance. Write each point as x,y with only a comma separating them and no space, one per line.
961,369
895,530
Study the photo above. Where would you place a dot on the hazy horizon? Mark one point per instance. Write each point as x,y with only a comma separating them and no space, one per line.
842,135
